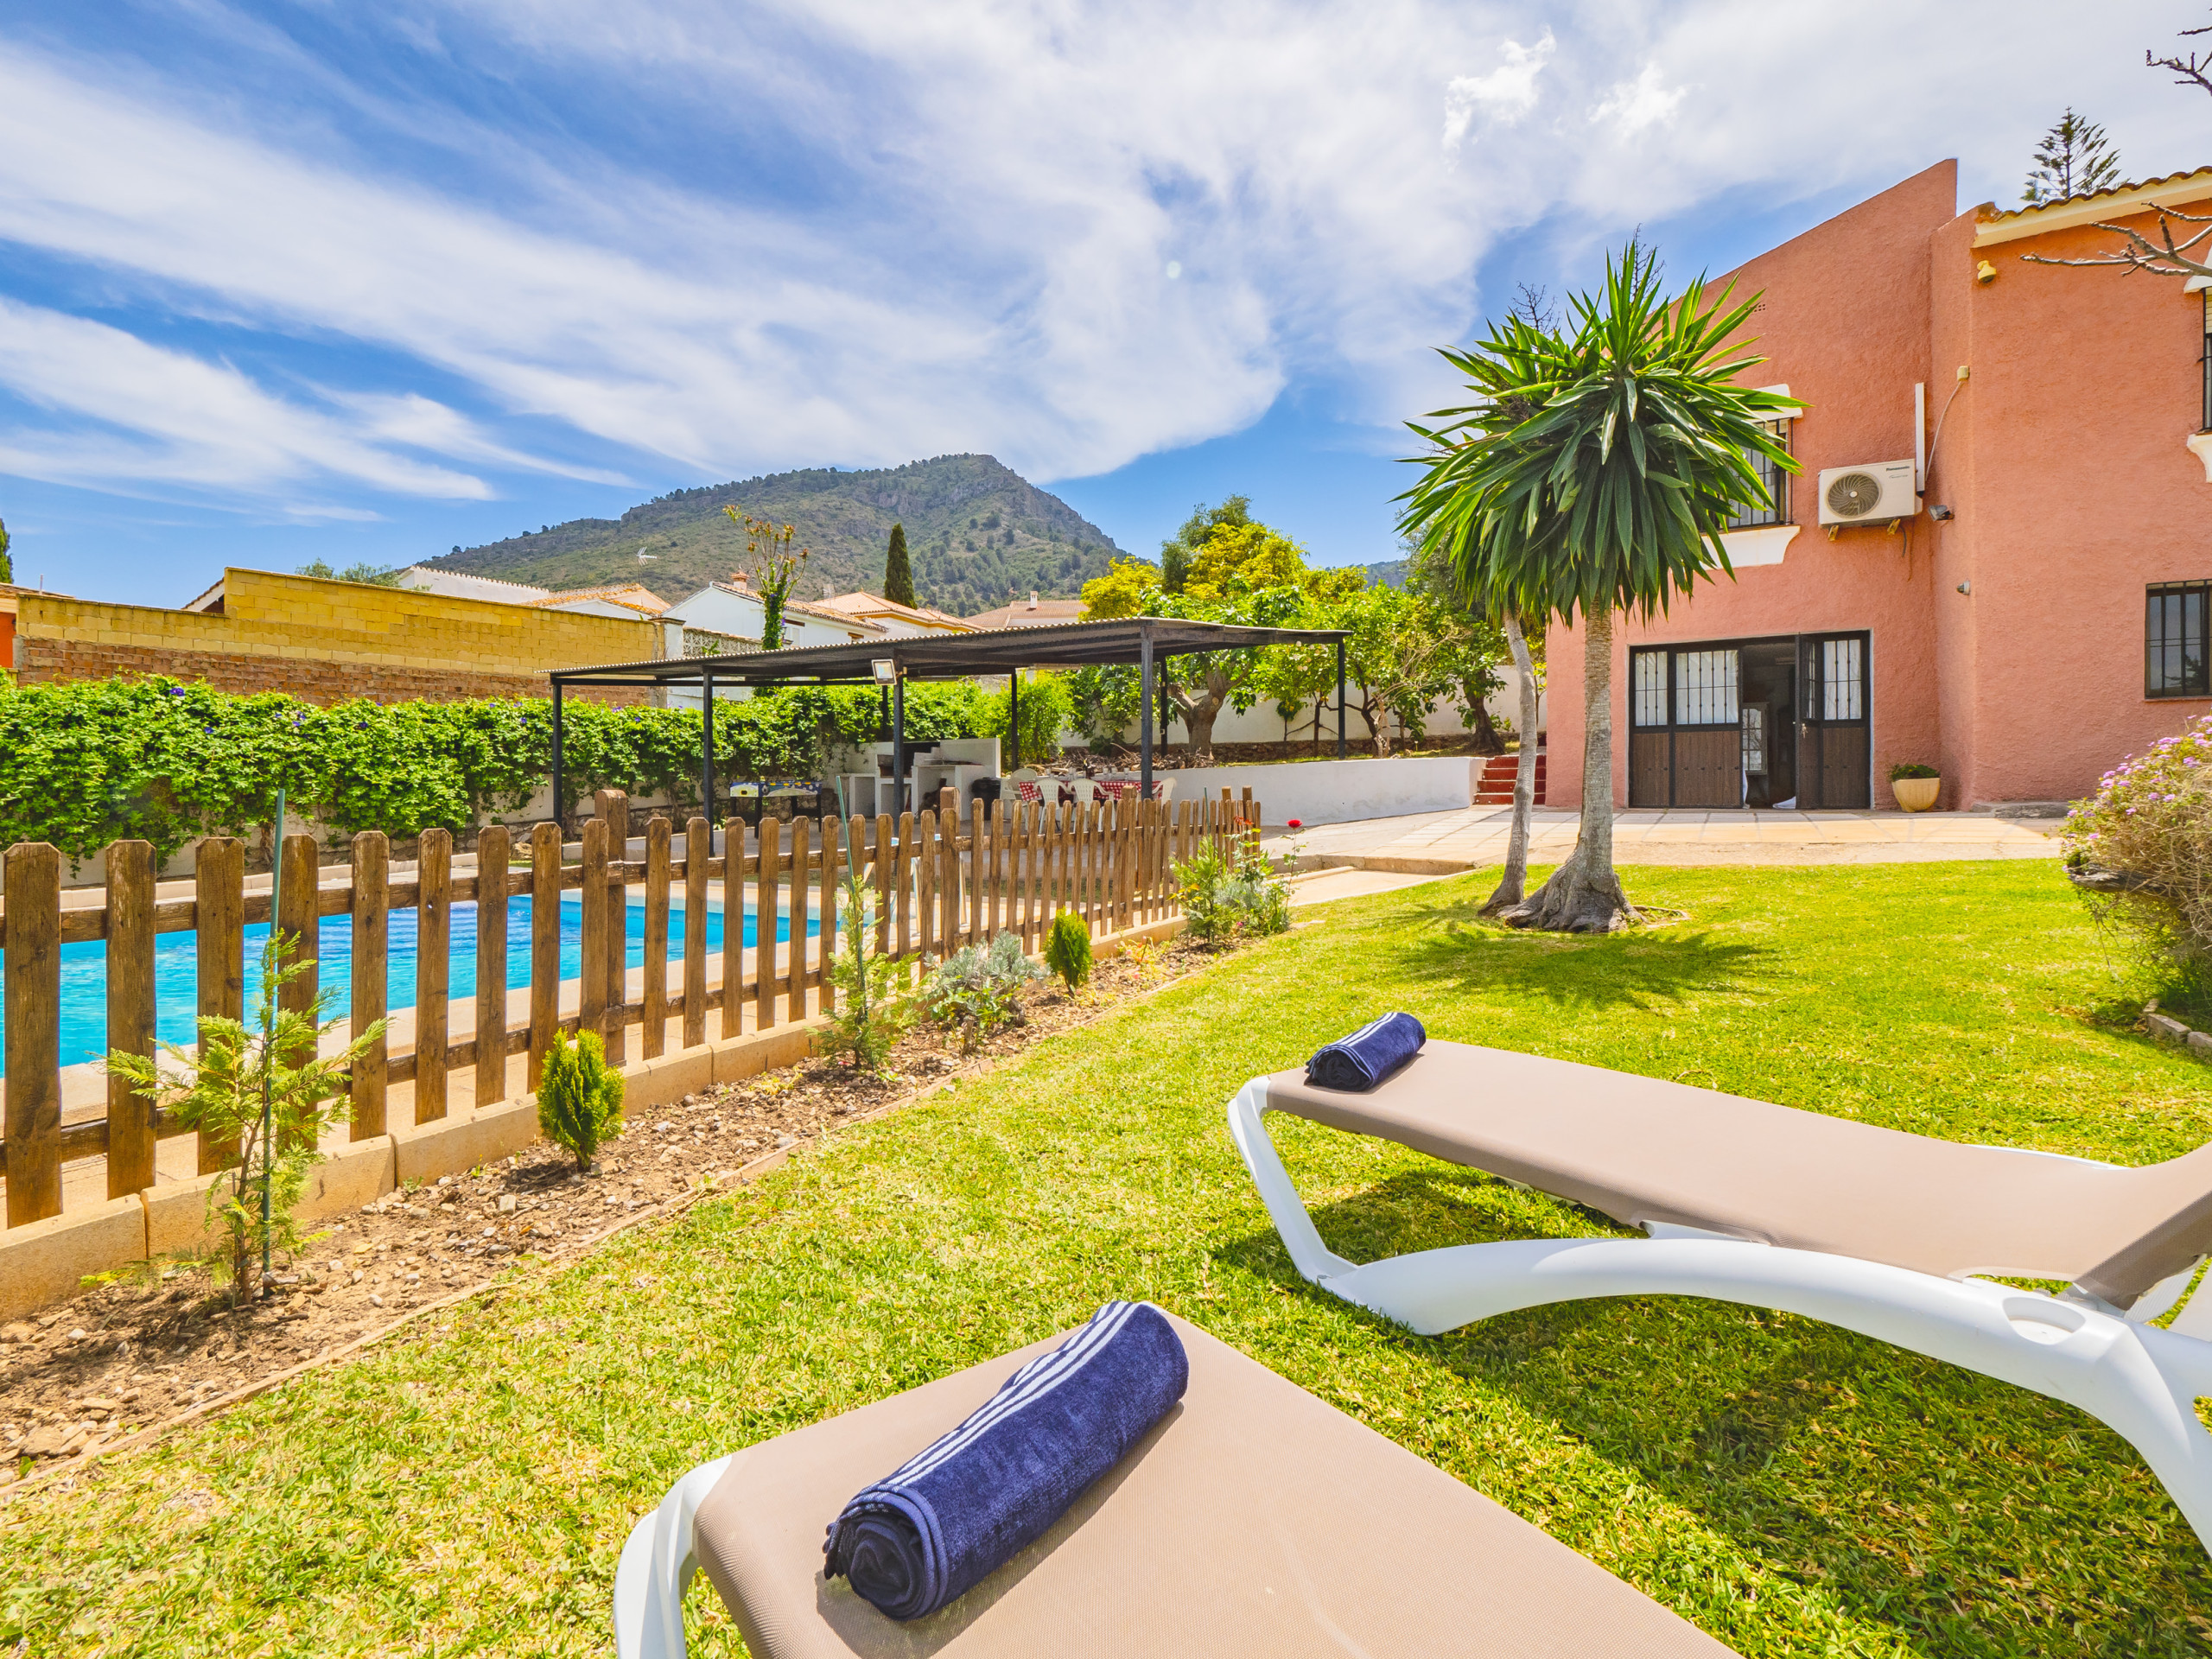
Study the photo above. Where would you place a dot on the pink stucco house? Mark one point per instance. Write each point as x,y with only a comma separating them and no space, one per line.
2037,611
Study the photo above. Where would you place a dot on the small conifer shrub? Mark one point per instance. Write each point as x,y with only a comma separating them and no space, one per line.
579,1100
1067,949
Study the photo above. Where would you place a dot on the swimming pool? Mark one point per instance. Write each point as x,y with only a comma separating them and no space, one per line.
176,969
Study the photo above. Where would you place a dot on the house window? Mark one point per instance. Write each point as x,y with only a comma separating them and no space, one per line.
1777,482
1843,680
2173,639
1650,709
2206,360
1705,688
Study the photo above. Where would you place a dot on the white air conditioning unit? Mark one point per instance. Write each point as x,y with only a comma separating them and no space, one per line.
1872,494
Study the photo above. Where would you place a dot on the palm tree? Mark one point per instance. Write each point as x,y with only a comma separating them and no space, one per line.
1595,471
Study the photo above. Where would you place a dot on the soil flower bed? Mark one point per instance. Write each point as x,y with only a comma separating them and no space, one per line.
154,1343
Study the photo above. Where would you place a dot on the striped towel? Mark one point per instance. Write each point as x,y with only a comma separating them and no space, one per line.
957,1510
1369,1055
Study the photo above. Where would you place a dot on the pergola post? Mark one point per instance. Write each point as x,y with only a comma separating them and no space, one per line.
707,754
1144,728
1340,699
897,740
1014,718
557,818
1164,720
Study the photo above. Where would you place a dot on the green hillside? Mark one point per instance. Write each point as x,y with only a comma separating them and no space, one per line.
977,531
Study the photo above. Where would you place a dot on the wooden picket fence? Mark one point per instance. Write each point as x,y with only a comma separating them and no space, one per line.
932,884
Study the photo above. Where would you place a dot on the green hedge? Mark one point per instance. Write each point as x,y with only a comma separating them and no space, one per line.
93,761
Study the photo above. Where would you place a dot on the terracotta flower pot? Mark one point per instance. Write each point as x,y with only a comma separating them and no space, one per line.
1915,794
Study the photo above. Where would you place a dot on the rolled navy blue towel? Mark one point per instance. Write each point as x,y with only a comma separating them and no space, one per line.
957,1510
1369,1055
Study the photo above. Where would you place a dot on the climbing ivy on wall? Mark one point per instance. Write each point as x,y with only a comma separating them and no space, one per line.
94,761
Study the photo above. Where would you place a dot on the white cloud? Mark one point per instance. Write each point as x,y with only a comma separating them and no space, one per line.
866,233
1635,105
1504,95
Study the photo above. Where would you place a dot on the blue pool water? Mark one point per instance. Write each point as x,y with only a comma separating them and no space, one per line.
176,970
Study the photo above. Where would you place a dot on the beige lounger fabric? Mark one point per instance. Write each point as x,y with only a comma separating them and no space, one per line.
1254,1521
1642,1150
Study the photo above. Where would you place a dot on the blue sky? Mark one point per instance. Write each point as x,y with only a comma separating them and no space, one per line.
292,281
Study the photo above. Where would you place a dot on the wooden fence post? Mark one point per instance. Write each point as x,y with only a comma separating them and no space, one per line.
433,970
30,881
371,904
219,926
130,1011
698,863
591,967
296,912
953,932
904,879
544,945
794,959
659,835
733,926
882,873
494,850
614,813
767,908
833,860
925,867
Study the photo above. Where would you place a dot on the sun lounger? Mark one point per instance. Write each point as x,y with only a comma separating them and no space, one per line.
1253,1519
1894,1235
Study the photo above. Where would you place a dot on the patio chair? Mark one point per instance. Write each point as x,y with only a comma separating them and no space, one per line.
1253,1519
1894,1236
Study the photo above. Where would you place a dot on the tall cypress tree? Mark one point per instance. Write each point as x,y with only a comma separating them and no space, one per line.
898,575
7,565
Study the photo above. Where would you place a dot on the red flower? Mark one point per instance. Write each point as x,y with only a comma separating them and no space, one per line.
1295,824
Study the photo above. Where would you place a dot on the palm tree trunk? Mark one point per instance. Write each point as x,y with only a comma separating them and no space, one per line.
1512,888
1584,895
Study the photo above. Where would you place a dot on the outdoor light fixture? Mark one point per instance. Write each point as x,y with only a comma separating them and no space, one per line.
885,670
1941,514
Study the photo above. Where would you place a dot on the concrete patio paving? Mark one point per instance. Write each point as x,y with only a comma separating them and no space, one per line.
1438,843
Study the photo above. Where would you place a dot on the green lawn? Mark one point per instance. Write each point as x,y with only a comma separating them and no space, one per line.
1791,1488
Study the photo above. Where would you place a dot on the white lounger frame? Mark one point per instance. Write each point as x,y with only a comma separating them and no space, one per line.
656,1570
2141,1381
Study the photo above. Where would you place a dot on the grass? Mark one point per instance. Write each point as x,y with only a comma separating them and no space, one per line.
1793,1489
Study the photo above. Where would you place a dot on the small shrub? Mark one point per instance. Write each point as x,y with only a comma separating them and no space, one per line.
2141,850
978,988
870,1012
1222,901
579,1100
1067,949
1912,769
218,1092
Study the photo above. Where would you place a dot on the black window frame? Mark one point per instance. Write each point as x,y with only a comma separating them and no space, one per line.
1777,480
2161,614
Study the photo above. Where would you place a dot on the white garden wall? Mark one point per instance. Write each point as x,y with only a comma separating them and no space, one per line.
1337,792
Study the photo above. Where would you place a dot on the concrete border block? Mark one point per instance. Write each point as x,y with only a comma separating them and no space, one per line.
176,1216
746,1056
452,1145
669,1077
45,1261
346,1179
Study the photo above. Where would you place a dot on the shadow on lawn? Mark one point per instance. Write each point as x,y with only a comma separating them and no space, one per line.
1452,944
1953,1509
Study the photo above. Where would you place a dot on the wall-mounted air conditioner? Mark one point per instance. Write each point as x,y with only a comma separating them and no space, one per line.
1871,494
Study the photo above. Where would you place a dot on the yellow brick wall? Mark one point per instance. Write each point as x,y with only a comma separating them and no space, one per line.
306,618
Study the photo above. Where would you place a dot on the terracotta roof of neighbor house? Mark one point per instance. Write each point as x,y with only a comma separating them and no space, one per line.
822,608
859,603
632,595
2004,224
1031,612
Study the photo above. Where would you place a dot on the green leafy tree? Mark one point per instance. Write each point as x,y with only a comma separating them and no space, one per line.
898,574
1594,471
219,1091
579,1097
1180,550
374,576
2074,159
775,570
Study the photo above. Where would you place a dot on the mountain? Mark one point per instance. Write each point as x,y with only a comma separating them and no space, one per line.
976,532
1391,573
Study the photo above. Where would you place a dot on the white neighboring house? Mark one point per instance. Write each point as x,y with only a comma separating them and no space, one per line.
725,616
459,584
898,621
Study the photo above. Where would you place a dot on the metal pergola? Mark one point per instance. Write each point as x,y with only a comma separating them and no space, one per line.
1144,641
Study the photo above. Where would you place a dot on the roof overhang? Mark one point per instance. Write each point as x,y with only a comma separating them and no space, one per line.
953,657
2170,192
